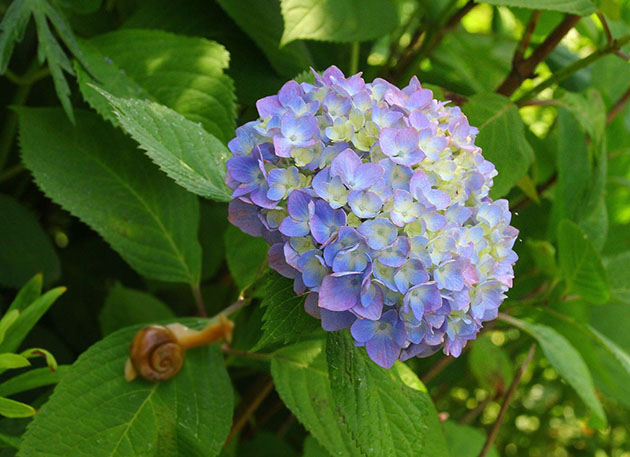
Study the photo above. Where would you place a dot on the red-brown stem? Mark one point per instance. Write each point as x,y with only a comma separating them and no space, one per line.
525,68
250,408
618,106
506,402
437,369
473,413
201,307
602,19
420,47
521,49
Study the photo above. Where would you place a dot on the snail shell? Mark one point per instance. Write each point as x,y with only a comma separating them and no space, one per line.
155,353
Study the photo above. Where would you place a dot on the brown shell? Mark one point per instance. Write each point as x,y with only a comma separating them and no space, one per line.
155,353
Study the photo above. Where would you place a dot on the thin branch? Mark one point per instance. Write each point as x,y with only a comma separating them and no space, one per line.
506,402
473,413
542,103
201,307
539,190
525,68
602,19
576,66
618,107
422,46
249,410
437,369
521,49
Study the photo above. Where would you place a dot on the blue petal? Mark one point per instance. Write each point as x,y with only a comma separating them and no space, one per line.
364,204
380,232
363,330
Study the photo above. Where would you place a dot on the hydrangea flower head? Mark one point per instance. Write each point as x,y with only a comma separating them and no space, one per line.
374,200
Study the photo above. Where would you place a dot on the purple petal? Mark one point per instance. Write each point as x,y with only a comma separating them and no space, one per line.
383,351
336,320
340,293
278,262
245,217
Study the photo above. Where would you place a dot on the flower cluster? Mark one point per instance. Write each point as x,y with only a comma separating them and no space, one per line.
374,199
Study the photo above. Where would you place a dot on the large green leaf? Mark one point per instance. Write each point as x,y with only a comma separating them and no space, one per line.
94,171
581,265
285,320
618,268
300,375
262,21
574,165
580,7
387,412
567,362
194,158
184,73
94,412
25,249
337,20
245,256
125,307
502,138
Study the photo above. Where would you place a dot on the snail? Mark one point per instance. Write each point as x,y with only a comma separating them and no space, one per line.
156,352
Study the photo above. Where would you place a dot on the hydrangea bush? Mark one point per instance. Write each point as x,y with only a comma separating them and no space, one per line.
374,199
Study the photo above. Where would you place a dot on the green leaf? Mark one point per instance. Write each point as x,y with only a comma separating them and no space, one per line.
262,21
337,20
285,320
94,172
25,249
618,268
184,73
313,449
9,361
28,318
490,365
589,111
502,138
39,352
14,409
544,254
125,307
385,414
574,166
187,153
12,30
580,7
95,412
300,375
12,441
245,256
465,441
28,293
7,321
50,50
581,265
32,379
567,362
